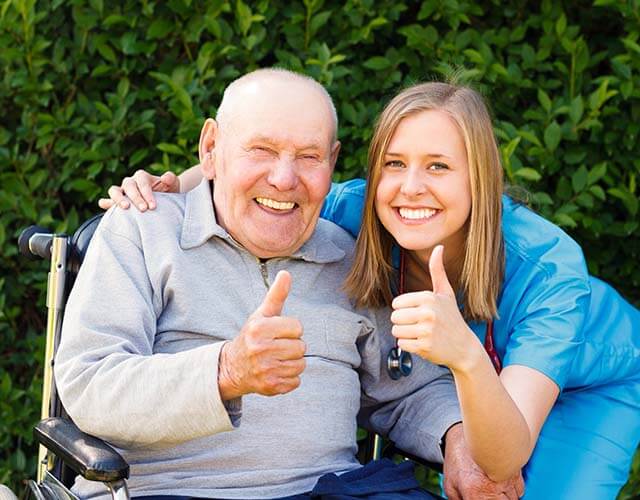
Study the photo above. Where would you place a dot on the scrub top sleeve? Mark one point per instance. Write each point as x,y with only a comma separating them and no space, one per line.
547,329
344,204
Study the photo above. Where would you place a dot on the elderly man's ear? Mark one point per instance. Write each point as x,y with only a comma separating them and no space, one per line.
206,148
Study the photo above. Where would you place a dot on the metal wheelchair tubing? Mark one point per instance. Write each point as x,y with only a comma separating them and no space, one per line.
55,300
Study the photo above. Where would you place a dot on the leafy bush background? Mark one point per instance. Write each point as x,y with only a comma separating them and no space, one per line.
92,90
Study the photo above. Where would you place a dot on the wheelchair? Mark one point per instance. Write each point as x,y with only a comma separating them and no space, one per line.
64,450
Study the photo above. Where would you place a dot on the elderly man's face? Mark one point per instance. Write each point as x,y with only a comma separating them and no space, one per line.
273,159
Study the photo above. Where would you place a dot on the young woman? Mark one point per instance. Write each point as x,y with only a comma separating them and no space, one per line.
546,358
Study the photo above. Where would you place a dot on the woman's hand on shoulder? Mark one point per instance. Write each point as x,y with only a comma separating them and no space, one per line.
138,190
430,323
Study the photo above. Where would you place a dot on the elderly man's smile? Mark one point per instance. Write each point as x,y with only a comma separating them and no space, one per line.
274,205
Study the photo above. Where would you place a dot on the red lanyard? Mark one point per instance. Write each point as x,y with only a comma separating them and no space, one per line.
489,345
491,349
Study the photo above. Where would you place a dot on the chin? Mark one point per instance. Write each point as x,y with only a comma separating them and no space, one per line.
414,244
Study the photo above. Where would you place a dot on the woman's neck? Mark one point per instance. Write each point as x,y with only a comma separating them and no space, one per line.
417,276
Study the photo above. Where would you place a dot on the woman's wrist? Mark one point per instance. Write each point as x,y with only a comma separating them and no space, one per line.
473,359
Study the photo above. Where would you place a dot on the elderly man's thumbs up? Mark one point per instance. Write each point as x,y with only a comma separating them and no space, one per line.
267,357
276,296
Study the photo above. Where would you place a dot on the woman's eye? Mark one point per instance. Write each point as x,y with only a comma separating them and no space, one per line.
394,164
438,166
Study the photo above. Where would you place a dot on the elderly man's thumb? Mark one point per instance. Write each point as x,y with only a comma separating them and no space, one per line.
276,295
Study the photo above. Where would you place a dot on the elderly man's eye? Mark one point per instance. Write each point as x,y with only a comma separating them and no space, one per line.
262,151
310,157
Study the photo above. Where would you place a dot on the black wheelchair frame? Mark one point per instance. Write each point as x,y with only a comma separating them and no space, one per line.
64,450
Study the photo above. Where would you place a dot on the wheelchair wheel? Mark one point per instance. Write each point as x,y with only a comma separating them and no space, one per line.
6,493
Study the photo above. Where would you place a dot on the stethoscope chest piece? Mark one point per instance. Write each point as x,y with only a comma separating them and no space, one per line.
399,363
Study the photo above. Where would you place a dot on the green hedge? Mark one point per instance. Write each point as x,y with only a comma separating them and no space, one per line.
92,90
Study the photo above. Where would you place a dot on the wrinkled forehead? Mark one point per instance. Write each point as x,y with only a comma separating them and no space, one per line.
284,112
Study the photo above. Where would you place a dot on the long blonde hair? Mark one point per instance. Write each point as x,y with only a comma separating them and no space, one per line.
371,277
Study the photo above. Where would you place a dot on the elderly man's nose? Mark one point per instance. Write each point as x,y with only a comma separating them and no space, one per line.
283,175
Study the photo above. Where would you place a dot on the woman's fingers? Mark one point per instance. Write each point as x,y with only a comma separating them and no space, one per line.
132,189
415,331
169,183
116,194
105,203
411,315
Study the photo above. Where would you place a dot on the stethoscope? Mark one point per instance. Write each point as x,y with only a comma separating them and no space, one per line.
399,362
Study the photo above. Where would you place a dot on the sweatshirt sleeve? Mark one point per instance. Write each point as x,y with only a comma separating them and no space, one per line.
344,205
414,411
110,381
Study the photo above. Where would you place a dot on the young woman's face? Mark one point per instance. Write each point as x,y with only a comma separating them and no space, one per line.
424,196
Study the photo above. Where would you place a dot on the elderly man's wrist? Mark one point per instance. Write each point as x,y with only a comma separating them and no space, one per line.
226,384
452,437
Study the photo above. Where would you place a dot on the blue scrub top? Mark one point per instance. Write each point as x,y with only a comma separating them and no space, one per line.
553,316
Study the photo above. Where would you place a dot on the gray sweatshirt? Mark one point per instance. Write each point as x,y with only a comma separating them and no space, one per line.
158,295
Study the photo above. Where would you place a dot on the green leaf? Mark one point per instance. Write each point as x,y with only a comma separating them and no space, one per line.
509,149
544,100
243,15
318,21
170,148
377,63
561,24
527,173
565,220
631,45
576,109
552,135
579,179
542,198
106,52
160,28
530,136
597,173
585,199
137,157
629,200
598,192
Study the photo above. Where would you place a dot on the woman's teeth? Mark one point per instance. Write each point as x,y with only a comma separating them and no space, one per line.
277,205
417,213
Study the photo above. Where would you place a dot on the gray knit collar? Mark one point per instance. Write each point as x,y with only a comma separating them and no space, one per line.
200,225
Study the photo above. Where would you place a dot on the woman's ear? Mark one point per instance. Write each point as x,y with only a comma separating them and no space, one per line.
206,148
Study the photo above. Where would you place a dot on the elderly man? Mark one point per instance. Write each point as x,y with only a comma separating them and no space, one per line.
209,340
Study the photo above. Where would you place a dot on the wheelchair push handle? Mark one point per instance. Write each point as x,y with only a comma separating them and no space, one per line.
35,241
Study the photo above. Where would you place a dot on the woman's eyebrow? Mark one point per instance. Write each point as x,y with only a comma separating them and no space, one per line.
430,155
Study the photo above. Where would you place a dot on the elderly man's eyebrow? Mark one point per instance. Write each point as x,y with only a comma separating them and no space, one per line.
270,141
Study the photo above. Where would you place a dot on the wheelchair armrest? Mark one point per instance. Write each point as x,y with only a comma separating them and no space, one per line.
87,455
392,450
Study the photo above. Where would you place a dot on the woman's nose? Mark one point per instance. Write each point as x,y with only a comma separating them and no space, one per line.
414,183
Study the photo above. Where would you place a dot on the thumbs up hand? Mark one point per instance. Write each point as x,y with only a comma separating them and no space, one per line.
430,323
267,357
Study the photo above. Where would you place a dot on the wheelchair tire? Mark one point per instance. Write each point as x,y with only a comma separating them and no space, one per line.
6,493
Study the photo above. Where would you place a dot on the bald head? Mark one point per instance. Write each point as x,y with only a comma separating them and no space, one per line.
273,83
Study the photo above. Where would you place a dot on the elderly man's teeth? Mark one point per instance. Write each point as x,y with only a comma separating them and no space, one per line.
277,205
416,213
